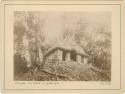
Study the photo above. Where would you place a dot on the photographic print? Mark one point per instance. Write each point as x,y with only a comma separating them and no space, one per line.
62,46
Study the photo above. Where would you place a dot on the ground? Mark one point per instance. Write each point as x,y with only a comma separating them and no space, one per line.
65,71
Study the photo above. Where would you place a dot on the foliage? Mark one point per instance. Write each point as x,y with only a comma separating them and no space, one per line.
19,65
28,37
30,44
96,42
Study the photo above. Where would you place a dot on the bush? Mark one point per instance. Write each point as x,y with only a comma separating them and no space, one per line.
19,65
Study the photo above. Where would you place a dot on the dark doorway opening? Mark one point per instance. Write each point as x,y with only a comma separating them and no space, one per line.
64,55
73,55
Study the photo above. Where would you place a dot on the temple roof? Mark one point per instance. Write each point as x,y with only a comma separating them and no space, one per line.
67,46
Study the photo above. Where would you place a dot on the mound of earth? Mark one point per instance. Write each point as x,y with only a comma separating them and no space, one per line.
65,71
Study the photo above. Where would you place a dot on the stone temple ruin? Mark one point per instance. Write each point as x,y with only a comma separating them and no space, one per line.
63,52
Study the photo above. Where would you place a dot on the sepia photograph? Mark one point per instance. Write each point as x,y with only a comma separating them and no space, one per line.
62,46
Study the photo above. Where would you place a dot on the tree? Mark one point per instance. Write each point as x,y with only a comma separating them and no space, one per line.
29,37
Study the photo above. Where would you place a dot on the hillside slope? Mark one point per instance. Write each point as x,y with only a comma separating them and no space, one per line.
65,71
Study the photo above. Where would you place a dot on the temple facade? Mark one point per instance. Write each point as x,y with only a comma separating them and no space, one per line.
73,54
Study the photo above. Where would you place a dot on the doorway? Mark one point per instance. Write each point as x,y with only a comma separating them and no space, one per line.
73,55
